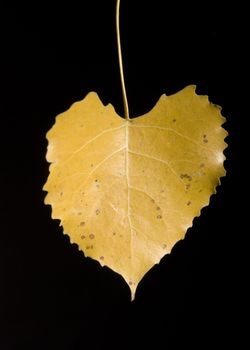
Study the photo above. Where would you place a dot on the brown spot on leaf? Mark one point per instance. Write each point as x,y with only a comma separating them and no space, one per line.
186,176
97,211
164,246
82,223
159,217
188,186
202,165
205,140
91,236
102,257
130,283
158,208
83,237
174,120
80,213
114,233
188,203
61,193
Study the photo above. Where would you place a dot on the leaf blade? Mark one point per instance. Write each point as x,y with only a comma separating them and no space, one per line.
127,190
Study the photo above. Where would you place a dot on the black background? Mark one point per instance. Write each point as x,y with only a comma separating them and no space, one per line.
53,54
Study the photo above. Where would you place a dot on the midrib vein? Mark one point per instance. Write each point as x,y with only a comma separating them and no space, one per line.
128,184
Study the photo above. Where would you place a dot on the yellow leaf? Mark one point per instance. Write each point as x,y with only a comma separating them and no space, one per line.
127,190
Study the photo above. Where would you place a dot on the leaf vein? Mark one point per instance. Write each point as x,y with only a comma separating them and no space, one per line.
148,195
90,141
158,160
177,133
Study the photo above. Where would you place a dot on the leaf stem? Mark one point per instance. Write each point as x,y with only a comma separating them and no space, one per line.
124,95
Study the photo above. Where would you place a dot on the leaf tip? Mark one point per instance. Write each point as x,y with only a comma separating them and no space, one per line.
132,291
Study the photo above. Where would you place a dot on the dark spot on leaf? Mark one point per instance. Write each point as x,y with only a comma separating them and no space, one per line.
161,191
83,237
186,176
120,236
101,257
200,190
82,223
173,120
164,246
188,186
97,184
202,165
159,217
97,211
114,233
188,203
96,180
80,213
61,193
83,193
158,208
91,165
91,236
152,200
130,283
205,138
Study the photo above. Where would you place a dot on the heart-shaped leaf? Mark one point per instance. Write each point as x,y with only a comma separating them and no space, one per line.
127,190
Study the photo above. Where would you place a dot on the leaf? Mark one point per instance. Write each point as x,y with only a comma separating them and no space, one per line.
127,190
